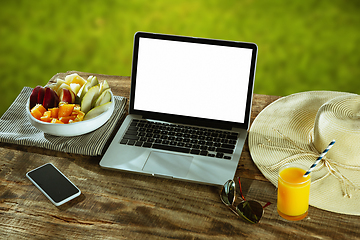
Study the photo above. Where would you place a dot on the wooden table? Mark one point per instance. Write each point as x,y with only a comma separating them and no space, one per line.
118,205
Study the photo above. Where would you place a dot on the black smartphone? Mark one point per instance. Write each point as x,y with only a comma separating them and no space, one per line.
53,184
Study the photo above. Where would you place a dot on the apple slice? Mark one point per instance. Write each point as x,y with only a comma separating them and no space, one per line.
53,86
75,87
97,111
103,86
74,78
59,82
51,99
34,96
67,96
80,92
92,81
104,97
70,77
63,85
56,98
41,95
89,97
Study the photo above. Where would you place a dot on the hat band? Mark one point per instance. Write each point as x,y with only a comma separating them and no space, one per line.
346,184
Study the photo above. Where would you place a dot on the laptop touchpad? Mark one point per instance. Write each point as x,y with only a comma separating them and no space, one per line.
168,164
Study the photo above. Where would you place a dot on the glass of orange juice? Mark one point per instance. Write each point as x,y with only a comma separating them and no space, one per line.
293,192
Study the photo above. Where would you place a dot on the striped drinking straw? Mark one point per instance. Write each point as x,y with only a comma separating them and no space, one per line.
319,158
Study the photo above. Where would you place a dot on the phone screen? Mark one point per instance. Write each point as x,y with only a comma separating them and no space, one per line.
55,185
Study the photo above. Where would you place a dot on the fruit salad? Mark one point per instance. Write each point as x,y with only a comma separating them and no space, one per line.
73,99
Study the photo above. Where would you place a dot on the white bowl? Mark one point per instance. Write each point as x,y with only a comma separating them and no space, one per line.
72,129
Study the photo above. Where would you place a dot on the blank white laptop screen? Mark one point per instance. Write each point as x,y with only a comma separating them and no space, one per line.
191,79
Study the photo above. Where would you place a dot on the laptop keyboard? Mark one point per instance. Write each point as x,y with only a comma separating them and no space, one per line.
179,138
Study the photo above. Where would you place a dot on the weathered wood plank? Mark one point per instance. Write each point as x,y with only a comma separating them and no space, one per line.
137,206
121,205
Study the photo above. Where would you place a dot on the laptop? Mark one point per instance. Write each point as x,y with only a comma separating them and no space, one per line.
189,109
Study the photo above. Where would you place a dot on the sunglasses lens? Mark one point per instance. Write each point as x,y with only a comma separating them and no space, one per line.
228,193
251,211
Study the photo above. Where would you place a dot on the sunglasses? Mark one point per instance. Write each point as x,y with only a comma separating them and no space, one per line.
250,211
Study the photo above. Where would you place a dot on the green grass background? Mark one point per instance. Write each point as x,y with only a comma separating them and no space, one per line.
303,44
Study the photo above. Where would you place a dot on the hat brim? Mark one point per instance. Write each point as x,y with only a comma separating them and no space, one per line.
281,133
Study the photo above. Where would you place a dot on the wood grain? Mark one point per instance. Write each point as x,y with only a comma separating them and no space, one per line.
122,205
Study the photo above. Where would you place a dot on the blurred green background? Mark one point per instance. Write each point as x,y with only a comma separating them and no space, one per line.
303,45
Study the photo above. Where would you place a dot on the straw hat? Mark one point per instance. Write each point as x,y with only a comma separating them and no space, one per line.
297,128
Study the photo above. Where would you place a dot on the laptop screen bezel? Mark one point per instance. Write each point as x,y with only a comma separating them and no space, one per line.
185,119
